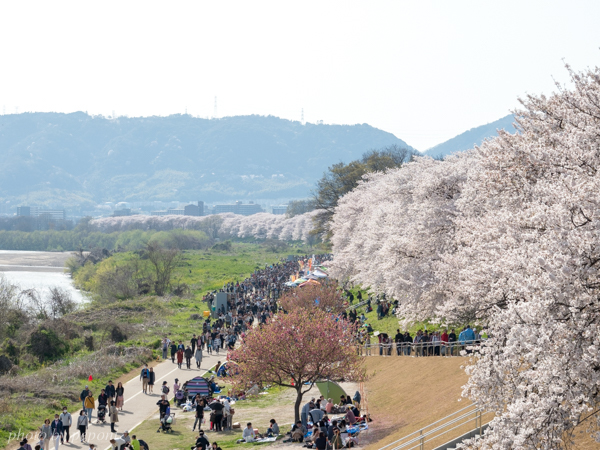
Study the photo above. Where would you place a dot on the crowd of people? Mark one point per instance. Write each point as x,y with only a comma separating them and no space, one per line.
252,302
422,343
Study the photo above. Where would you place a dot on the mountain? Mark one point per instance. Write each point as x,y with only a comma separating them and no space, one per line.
473,137
74,159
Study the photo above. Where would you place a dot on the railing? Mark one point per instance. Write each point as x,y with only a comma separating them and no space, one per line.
358,305
419,349
470,417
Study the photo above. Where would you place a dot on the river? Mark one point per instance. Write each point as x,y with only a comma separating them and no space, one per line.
38,270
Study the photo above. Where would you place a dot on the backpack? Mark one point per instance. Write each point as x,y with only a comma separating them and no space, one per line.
165,389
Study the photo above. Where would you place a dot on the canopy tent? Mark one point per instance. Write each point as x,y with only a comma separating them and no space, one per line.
198,385
330,389
320,274
306,283
227,369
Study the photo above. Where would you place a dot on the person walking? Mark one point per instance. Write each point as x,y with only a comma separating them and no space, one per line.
45,434
194,342
120,392
188,357
67,421
144,376
114,416
198,356
89,405
151,380
56,428
82,424
173,351
179,357
165,347
217,344
83,395
109,390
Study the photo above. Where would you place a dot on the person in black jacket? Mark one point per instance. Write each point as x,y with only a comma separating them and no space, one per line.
102,398
188,357
173,351
151,379
399,339
194,341
201,442
110,391
408,340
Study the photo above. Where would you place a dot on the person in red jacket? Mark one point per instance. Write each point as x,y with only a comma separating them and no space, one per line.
179,357
444,339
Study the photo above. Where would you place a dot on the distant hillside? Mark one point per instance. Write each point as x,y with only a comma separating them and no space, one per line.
473,137
79,159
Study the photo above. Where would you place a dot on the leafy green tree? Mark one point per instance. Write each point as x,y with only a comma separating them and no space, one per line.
342,178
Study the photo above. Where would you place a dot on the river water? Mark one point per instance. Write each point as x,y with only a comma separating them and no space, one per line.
38,270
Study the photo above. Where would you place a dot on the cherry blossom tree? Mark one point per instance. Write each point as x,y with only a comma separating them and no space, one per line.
326,297
296,350
259,226
506,235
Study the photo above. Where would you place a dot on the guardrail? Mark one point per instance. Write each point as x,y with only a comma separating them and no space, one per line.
465,417
419,349
358,305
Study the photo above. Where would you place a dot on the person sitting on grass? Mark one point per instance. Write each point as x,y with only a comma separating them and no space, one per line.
248,435
273,429
201,442
350,417
298,432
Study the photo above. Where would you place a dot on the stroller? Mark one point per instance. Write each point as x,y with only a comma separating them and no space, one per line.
180,397
167,422
101,414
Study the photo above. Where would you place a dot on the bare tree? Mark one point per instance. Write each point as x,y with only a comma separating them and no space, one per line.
164,261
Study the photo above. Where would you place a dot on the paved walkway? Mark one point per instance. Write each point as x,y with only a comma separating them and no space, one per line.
139,406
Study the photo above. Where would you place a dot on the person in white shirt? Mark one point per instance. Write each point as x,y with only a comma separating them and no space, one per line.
248,433
67,421
117,443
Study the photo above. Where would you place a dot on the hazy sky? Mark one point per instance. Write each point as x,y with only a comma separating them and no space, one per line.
423,70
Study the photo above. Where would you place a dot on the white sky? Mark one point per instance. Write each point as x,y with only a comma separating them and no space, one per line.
423,70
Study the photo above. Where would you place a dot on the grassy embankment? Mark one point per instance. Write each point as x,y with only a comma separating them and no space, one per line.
37,391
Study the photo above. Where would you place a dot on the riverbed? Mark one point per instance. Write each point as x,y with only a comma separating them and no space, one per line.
38,270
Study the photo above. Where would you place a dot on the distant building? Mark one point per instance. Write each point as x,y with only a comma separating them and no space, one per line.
23,211
34,211
159,213
238,208
280,210
175,212
192,210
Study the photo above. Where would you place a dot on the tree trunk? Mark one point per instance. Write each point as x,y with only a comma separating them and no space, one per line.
298,402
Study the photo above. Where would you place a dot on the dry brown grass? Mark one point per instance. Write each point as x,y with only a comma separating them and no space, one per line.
405,394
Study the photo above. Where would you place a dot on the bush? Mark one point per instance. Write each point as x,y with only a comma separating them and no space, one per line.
46,344
117,335
223,246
